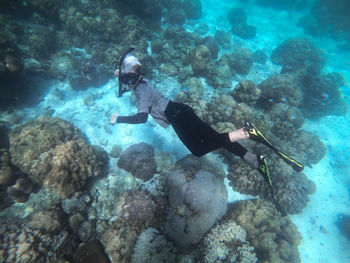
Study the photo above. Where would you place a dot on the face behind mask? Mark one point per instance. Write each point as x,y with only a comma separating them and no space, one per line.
129,78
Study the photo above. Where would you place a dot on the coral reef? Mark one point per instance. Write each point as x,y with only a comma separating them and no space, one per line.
241,60
310,145
197,199
220,74
280,88
291,188
143,165
47,221
152,246
200,58
238,20
223,38
299,54
327,18
54,153
7,176
322,95
138,210
283,113
247,92
274,238
226,242
20,243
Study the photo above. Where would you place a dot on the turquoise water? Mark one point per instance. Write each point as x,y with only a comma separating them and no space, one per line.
116,214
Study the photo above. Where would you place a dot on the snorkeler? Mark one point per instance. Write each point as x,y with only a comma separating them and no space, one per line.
195,134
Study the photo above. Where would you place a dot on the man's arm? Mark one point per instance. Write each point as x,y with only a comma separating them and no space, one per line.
140,117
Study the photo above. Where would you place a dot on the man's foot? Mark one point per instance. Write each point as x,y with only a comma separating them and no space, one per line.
263,168
113,119
255,134
264,171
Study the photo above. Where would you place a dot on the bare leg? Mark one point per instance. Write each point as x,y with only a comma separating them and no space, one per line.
237,135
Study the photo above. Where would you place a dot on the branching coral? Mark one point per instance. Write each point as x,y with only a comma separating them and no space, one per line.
138,210
226,242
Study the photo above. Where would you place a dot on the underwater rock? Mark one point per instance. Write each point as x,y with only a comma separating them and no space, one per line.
274,238
226,242
280,88
143,165
241,60
223,38
152,246
247,92
54,153
197,199
298,54
238,19
47,221
322,96
90,252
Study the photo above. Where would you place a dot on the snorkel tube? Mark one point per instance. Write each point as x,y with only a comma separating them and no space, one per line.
121,91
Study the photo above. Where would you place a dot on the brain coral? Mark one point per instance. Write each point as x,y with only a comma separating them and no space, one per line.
53,152
143,165
197,199
274,238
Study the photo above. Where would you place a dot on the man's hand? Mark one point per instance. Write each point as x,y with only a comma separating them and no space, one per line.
116,73
113,119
